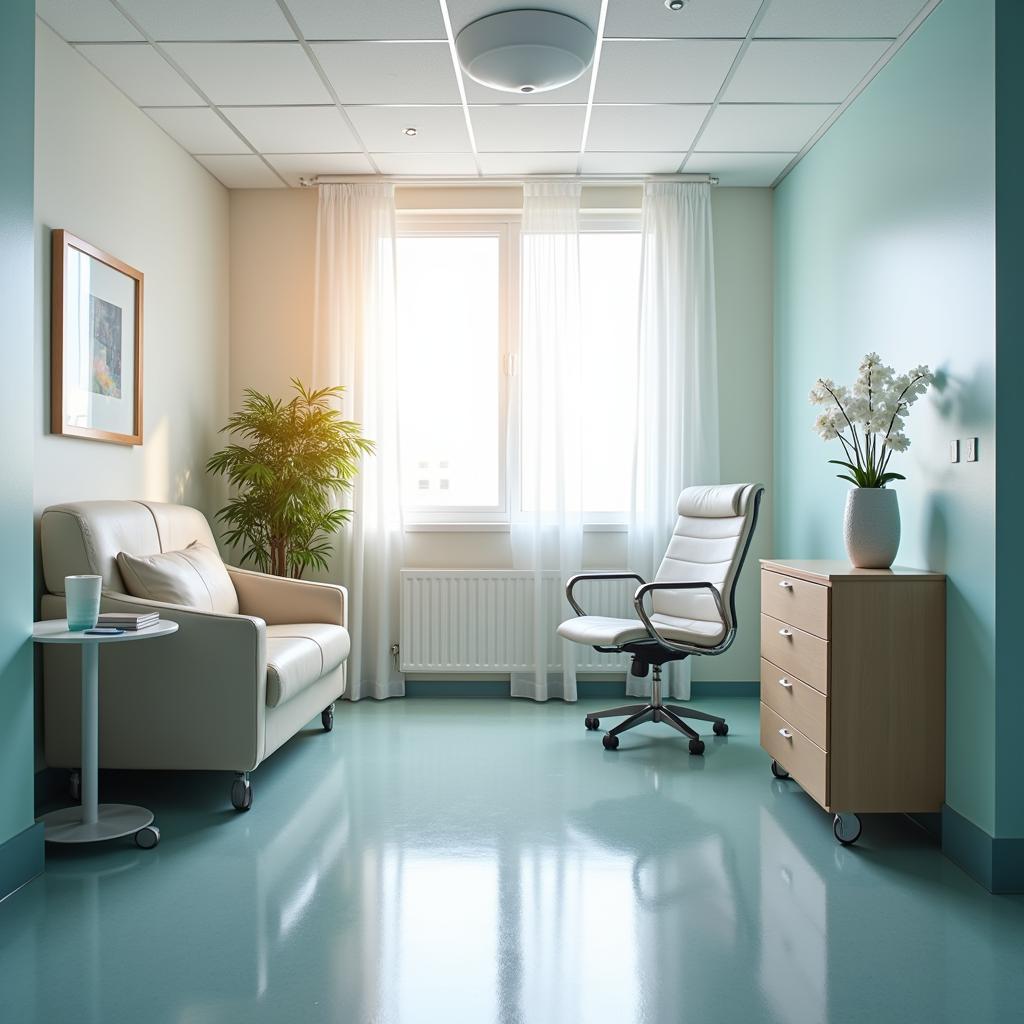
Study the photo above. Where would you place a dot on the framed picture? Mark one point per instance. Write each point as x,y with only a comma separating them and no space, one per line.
95,344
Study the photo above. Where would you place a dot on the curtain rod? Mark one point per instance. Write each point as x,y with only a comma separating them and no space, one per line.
478,182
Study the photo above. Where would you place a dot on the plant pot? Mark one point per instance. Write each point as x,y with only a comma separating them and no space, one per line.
871,527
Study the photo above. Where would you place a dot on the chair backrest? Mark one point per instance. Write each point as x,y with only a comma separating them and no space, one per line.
84,537
709,544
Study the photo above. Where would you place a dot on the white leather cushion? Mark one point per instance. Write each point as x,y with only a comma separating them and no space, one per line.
604,631
195,578
299,654
716,502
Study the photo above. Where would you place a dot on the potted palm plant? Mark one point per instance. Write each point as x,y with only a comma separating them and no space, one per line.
291,462
869,421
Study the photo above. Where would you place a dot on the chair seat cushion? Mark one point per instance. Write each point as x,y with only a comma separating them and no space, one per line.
603,631
299,654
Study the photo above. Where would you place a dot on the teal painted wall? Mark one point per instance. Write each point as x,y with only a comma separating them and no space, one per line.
885,240
17,86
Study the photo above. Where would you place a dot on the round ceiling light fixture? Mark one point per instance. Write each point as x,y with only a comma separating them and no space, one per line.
410,131
675,5
525,51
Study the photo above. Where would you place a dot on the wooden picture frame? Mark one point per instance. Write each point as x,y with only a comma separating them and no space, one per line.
95,343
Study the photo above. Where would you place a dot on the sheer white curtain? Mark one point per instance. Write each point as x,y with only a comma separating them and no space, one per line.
676,443
547,527
356,345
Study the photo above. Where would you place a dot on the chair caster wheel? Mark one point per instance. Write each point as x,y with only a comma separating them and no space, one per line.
327,718
846,828
696,746
75,784
591,723
721,728
146,838
778,771
610,742
241,795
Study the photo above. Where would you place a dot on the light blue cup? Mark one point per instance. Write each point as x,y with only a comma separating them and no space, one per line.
82,594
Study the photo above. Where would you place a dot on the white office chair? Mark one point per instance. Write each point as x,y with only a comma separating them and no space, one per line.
693,604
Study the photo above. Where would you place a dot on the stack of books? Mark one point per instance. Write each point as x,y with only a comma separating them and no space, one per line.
128,620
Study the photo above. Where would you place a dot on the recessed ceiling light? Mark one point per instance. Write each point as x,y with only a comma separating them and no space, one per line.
409,131
675,5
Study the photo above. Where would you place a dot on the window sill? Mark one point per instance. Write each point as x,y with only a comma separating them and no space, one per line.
501,528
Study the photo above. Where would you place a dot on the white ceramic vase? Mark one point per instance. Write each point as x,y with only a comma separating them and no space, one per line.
871,527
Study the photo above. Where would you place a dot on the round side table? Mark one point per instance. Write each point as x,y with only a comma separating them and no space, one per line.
92,822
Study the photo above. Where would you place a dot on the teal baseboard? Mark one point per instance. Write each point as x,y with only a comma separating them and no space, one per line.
995,862
587,689
21,859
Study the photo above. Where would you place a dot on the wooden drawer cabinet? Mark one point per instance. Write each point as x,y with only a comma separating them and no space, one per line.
853,683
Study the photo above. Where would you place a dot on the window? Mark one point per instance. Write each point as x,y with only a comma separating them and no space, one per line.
457,333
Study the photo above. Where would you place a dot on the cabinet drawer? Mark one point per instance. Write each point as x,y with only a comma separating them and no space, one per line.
792,649
801,604
796,702
805,761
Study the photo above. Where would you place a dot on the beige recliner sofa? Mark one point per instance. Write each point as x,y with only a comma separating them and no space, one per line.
225,691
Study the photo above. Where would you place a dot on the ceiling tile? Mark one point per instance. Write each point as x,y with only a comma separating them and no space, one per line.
425,163
762,126
438,129
801,72
294,129
838,18
632,163
721,19
86,21
462,12
198,129
528,163
389,72
664,71
241,171
251,73
574,92
758,169
210,19
528,129
650,128
293,166
368,19
141,74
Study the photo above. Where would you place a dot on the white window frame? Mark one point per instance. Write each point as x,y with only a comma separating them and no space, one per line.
507,227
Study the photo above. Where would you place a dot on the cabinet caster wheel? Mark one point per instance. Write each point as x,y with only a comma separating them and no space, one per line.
241,795
610,742
847,828
327,718
146,838
778,771
591,723
696,747
721,728
75,784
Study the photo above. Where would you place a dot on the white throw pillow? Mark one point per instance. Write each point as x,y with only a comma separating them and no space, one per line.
195,577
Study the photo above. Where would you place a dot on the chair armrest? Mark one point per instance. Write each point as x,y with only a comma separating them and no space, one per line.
570,586
646,588
280,600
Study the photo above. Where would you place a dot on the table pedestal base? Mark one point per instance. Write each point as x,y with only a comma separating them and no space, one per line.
113,821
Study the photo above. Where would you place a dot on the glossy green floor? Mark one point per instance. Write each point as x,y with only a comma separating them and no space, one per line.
457,861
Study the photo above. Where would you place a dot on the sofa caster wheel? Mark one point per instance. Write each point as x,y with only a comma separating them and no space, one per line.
591,722
778,771
146,838
696,747
721,728
327,718
846,828
610,742
241,794
75,784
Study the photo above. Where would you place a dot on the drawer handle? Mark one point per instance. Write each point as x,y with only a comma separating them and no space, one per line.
785,684
785,632
785,734
785,584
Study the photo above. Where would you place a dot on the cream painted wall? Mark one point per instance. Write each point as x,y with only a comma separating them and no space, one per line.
273,237
108,174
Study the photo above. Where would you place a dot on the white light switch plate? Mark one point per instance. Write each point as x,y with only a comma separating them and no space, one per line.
972,449
954,451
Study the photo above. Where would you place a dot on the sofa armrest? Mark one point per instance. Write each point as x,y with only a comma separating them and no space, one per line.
280,600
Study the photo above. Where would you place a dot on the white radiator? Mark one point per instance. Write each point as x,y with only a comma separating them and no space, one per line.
457,620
